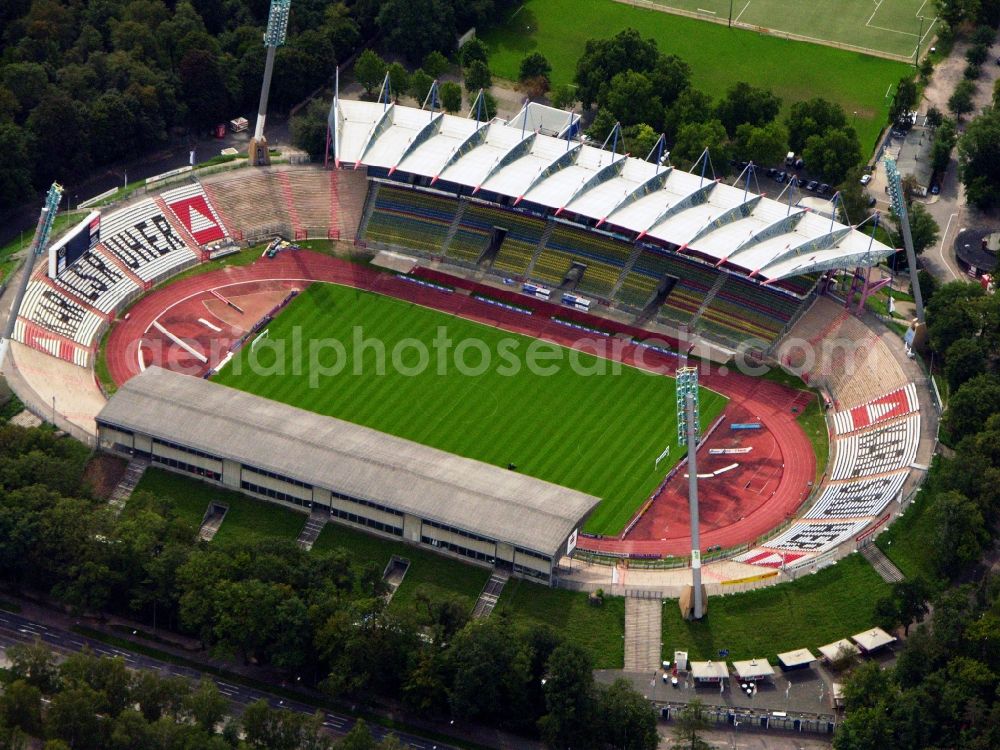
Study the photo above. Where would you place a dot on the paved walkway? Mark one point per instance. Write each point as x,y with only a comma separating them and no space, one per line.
643,630
133,473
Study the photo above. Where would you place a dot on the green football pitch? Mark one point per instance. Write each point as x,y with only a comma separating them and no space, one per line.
881,26
579,421
719,57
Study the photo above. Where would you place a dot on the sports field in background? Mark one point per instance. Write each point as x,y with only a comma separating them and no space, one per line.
718,56
599,434
887,26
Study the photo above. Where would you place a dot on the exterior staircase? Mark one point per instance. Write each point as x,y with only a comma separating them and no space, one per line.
882,564
491,593
133,473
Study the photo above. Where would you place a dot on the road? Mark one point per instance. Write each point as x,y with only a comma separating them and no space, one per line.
15,628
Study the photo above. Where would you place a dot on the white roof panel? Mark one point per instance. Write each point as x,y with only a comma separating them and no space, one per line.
636,196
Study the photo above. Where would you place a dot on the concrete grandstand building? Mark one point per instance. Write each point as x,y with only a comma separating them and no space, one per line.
366,478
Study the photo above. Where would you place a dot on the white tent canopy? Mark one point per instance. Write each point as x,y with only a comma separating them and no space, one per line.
754,669
872,640
709,671
763,238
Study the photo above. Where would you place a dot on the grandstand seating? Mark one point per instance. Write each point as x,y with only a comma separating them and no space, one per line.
519,246
143,239
742,309
816,536
195,211
348,188
694,282
312,200
410,218
883,449
867,497
249,203
97,280
46,308
895,404
604,257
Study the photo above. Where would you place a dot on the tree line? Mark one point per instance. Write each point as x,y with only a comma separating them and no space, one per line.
87,702
943,690
319,616
88,83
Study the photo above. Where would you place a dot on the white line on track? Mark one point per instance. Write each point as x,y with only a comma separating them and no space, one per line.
209,325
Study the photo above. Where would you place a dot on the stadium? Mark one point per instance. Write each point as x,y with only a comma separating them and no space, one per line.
497,231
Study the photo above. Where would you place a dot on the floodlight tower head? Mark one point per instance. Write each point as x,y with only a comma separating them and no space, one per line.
274,37
277,23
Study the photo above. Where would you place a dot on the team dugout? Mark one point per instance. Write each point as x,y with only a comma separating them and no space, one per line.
366,478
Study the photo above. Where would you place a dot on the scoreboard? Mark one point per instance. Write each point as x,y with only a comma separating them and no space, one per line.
74,244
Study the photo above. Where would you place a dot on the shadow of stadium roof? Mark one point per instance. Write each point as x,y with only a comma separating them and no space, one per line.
729,226
350,459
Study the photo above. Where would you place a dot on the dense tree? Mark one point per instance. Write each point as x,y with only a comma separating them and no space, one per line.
969,408
762,145
671,76
964,359
451,96
641,140
630,97
602,59
15,170
906,603
627,719
954,313
904,100
960,101
435,64
399,79
833,154
420,84
692,106
309,128
744,103
478,76
979,160
370,70
569,699
534,66
694,138
945,137
415,28
473,50
563,96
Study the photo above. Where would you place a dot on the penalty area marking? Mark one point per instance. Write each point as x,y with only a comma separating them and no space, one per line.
735,20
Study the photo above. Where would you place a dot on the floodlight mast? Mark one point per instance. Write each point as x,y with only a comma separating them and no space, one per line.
41,241
899,206
687,434
274,37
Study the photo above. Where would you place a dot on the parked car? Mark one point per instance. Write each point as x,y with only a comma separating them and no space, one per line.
935,189
780,177
824,189
772,172
812,185
865,179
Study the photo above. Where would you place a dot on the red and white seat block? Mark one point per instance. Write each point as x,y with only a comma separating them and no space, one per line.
896,404
195,211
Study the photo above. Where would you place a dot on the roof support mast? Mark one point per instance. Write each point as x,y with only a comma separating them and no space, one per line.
274,37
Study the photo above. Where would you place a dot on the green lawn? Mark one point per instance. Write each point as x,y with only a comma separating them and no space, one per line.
911,540
812,420
834,603
718,56
440,576
597,433
600,630
246,518
890,27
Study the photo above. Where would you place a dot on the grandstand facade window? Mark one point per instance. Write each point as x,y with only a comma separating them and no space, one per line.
275,475
189,468
544,558
275,494
184,449
458,549
531,572
369,522
459,532
367,503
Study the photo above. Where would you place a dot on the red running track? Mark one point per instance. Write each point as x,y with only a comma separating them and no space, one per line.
736,507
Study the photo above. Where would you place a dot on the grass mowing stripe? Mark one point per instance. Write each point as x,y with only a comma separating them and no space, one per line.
598,434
